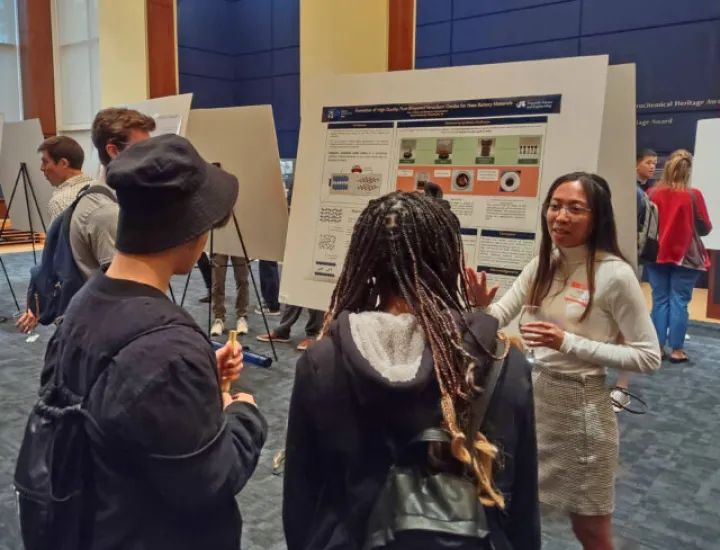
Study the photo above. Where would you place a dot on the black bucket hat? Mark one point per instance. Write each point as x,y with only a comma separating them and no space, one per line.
168,195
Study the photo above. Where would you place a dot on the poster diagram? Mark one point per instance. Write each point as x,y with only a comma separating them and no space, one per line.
486,156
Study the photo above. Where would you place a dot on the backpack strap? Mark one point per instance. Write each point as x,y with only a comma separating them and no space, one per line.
84,192
479,408
481,405
96,190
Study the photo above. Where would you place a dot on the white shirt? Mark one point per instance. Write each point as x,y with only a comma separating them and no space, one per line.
65,194
617,333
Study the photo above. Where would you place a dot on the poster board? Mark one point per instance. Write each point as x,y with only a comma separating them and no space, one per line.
244,142
170,113
20,142
481,126
706,173
617,154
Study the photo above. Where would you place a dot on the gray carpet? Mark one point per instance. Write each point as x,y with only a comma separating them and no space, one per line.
668,491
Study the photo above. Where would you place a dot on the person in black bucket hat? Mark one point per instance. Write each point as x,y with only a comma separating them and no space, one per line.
168,195
172,449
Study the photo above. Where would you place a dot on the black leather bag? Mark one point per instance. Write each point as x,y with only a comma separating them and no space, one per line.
417,503
701,228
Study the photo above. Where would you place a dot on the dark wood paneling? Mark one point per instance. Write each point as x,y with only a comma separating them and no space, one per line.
36,63
401,39
713,300
162,48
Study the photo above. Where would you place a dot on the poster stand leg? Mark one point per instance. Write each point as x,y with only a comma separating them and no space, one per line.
29,189
23,175
255,287
185,289
212,252
7,278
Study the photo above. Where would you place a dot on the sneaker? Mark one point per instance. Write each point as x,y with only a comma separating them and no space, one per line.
241,326
620,399
274,337
305,344
204,299
218,328
268,312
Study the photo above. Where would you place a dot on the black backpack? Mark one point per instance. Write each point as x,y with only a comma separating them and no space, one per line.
417,501
53,477
57,278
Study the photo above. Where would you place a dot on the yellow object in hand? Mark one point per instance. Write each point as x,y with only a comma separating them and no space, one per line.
232,339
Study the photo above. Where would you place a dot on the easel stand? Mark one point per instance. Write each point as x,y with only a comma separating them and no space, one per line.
7,278
252,279
24,176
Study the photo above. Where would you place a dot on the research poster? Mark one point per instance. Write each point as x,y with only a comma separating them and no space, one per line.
493,137
485,154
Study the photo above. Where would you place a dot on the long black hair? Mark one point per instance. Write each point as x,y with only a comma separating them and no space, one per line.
602,236
409,246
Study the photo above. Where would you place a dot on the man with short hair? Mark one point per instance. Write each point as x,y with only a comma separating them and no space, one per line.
176,446
94,222
62,162
646,162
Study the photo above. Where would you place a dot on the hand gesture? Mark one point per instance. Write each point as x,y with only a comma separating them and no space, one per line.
27,322
477,289
539,334
229,362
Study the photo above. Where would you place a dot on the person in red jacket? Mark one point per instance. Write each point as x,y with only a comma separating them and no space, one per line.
683,219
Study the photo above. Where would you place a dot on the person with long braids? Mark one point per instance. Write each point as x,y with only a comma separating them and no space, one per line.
595,318
401,352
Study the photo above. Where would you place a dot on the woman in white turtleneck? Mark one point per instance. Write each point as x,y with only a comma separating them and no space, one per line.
597,319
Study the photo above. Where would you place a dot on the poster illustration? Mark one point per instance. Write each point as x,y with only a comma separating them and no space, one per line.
486,156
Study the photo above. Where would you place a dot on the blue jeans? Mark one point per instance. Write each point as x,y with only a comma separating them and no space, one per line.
270,284
672,289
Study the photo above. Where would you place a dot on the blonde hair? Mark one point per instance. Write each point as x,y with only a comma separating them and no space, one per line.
678,170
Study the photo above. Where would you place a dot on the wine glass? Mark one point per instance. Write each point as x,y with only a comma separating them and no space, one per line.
32,336
531,314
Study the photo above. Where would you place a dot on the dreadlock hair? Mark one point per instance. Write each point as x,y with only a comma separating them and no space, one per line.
409,246
602,237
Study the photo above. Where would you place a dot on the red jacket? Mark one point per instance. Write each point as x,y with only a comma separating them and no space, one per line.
676,228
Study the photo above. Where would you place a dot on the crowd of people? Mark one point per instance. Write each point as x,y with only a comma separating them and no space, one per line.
414,421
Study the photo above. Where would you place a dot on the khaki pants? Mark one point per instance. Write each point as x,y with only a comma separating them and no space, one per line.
242,296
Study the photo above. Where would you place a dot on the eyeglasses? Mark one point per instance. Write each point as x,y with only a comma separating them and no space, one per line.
572,210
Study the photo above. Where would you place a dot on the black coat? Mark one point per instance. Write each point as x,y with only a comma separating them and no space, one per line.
337,457
172,461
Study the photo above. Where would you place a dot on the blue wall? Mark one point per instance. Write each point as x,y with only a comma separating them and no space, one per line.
243,52
675,44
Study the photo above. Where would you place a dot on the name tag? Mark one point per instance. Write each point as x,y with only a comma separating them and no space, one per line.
578,293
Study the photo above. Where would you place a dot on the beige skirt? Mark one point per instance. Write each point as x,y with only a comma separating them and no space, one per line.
578,443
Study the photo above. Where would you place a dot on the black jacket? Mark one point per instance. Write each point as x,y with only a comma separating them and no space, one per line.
166,474
337,457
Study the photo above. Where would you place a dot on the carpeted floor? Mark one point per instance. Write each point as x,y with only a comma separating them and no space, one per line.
668,490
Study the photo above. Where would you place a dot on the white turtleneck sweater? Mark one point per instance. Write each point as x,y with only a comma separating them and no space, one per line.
618,332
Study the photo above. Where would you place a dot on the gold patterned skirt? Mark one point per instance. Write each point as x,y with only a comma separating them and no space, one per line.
578,444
